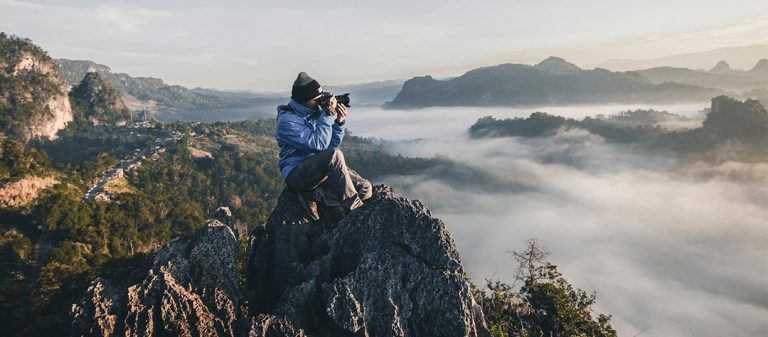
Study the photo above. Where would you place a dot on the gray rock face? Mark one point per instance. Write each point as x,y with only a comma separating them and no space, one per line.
191,288
387,269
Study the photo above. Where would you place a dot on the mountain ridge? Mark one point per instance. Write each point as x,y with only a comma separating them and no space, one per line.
720,76
740,56
553,81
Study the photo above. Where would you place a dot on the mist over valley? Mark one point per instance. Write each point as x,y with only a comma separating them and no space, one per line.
656,235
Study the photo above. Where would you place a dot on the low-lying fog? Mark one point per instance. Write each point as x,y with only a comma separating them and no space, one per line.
450,123
672,249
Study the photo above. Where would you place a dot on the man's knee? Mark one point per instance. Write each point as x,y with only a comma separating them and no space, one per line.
329,157
336,156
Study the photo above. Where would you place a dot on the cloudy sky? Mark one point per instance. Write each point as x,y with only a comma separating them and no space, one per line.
261,45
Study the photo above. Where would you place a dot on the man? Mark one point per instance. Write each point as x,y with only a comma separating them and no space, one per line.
309,136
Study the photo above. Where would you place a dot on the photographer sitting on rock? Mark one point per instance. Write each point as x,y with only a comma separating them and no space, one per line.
309,133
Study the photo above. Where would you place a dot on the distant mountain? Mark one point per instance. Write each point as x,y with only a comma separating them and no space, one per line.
96,102
739,57
760,69
33,97
721,76
167,102
74,71
721,68
557,65
174,102
553,81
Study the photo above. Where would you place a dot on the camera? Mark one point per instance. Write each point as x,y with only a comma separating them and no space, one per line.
340,99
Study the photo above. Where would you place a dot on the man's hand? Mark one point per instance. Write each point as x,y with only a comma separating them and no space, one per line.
341,109
331,107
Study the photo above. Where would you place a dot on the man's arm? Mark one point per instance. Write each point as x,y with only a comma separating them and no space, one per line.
295,133
338,130
338,135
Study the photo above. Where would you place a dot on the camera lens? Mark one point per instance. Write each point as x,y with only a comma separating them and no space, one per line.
343,99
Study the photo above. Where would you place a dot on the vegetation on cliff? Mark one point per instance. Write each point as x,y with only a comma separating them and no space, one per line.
31,94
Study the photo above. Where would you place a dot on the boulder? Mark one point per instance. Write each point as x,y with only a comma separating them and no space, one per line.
387,269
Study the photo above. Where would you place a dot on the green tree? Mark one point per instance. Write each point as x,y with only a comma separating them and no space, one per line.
545,305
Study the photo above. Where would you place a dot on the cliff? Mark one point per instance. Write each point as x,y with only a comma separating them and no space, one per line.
387,269
22,192
33,96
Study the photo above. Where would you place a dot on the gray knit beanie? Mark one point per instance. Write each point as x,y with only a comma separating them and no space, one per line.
305,88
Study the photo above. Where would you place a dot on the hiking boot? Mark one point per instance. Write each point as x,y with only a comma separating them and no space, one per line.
335,213
338,212
351,204
308,203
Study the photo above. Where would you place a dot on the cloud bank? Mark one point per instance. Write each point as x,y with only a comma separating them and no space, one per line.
679,249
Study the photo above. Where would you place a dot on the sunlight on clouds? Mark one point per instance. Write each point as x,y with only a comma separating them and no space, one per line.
678,249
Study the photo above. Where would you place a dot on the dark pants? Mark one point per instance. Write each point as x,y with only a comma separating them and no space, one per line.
339,185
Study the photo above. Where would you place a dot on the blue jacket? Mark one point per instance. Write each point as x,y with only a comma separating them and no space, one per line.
302,132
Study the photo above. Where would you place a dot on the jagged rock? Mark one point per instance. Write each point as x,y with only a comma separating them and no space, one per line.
387,269
271,326
99,312
190,288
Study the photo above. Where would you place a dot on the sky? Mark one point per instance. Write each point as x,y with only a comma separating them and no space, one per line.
262,45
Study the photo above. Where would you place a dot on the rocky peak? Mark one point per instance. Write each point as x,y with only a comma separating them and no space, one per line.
388,269
99,101
189,287
721,67
557,65
33,99
415,88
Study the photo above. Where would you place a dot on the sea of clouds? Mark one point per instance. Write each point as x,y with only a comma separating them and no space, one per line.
671,248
